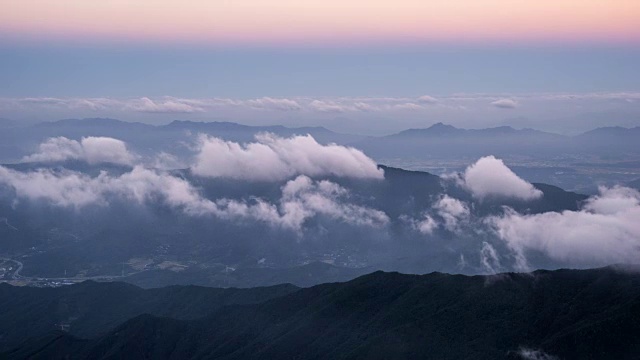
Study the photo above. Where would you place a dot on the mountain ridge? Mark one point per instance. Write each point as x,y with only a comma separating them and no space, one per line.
564,313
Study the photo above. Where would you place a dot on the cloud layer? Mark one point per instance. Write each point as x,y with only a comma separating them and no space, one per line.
272,158
302,198
91,149
364,115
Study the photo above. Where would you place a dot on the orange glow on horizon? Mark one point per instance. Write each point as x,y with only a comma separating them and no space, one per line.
323,21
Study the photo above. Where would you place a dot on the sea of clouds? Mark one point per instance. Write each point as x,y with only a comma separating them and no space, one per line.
603,231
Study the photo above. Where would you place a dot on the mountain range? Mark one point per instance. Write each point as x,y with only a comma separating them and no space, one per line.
439,140
446,141
563,314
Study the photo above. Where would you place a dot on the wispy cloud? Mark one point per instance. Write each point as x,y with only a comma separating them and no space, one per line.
274,104
171,106
505,103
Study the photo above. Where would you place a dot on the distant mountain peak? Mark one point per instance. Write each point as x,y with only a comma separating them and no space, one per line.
439,126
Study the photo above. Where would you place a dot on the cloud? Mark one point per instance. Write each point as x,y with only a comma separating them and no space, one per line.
166,161
302,198
91,149
490,177
505,104
408,106
66,189
426,226
272,158
605,231
428,99
489,258
274,104
362,106
328,106
452,211
73,189
529,354
169,105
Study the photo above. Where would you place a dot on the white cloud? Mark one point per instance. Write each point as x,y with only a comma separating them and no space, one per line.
274,104
362,106
105,149
328,106
452,211
91,149
343,105
168,105
408,106
272,158
302,198
490,177
66,189
505,104
428,99
489,258
427,225
605,231
73,189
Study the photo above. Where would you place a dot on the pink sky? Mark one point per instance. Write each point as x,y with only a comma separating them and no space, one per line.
323,21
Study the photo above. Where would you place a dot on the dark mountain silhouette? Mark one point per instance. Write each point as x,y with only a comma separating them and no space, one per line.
565,314
91,309
305,275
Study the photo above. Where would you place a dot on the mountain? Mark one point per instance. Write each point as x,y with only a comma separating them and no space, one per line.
90,309
244,133
610,141
564,314
442,141
614,132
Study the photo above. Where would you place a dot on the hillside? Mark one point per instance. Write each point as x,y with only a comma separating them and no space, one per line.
91,309
568,314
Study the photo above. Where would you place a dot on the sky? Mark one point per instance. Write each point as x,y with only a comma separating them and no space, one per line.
563,66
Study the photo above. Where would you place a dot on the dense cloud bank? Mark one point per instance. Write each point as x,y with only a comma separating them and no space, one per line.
273,158
91,149
606,230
